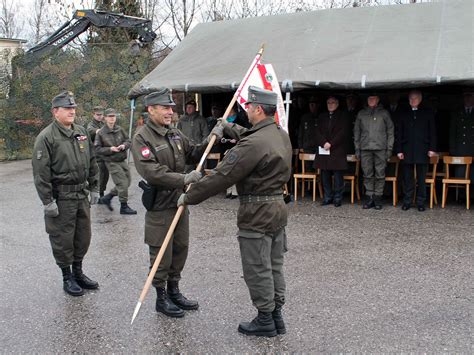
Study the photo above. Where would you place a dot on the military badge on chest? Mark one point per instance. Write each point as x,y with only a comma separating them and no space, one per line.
177,140
82,139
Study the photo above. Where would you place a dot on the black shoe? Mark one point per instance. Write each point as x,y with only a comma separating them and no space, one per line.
421,208
378,202
178,299
71,287
326,202
406,206
369,204
107,200
337,203
81,279
262,325
125,209
165,306
278,319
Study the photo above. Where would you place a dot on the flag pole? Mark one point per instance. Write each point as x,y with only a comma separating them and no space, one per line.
181,208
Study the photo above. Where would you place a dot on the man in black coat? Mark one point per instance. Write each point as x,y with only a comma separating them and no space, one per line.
332,134
415,145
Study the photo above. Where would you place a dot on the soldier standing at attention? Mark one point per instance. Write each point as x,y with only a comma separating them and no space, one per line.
65,174
111,143
260,164
93,126
160,154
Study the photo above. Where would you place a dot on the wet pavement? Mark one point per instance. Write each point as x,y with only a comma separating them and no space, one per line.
358,281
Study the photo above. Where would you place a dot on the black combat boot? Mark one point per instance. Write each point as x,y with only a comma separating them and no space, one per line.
107,200
378,202
369,203
125,209
165,306
262,325
178,299
69,283
278,319
81,279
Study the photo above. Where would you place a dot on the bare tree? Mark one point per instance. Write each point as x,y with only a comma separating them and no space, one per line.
10,26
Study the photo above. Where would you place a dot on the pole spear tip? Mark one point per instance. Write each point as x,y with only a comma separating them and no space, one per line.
135,312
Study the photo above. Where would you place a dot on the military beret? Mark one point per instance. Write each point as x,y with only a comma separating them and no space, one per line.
162,97
261,96
98,109
110,112
64,99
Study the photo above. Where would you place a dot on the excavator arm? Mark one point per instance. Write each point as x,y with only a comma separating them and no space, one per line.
81,21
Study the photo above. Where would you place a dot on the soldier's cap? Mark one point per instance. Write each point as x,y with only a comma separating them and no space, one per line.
110,112
191,102
372,94
98,109
64,99
261,96
161,97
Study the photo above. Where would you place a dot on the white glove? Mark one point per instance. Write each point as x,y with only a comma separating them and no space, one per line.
51,209
191,177
94,198
181,200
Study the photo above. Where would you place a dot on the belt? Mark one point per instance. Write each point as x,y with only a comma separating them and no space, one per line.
71,188
260,198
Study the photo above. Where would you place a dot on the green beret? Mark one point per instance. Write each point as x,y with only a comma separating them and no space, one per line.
110,112
64,99
162,97
261,96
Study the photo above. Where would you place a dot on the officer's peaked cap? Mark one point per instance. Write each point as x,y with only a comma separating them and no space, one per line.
64,99
162,97
261,96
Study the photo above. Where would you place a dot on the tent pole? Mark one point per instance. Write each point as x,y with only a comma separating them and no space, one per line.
132,108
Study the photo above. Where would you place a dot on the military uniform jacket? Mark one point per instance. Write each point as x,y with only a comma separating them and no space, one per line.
334,130
92,128
416,135
111,137
160,155
63,160
260,164
307,132
461,134
373,130
194,127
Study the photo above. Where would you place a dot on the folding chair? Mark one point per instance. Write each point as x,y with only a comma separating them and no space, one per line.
431,179
354,178
457,182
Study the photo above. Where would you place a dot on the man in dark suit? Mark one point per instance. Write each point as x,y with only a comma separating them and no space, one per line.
415,145
332,134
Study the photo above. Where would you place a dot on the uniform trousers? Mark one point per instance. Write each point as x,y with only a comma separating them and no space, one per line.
409,183
262,264
373,164
120,173
103,175
157,224
70,232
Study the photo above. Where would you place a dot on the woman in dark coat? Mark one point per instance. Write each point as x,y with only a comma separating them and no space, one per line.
332,134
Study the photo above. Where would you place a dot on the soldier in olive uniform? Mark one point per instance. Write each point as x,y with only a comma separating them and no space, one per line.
160,154
65,174
308,127
93,126
111,143
260,164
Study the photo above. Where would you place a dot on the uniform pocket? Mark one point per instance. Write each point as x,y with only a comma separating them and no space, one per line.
252,250
155,228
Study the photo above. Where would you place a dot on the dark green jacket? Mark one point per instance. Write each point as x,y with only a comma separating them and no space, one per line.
63,159
92,128
111,137
160,155
194,127
374,130
260,164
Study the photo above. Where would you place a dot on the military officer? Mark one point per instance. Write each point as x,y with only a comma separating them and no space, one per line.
65,174
160,154
112,143
93,126
260,164
373,141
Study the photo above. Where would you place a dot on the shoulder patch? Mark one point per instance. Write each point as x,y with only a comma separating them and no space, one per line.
146,152
232,158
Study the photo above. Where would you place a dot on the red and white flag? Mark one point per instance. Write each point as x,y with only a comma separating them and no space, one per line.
263,76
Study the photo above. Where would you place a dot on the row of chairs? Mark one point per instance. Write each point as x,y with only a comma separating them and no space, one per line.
314,177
